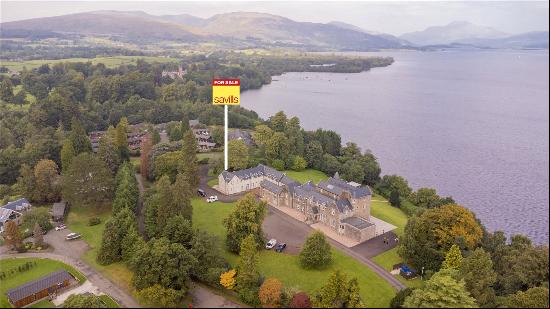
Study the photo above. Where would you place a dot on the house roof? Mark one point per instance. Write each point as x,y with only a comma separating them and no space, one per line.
260,170
308,191
271,187
5,214
337,186
358,223
18,205
58,209
343,204
33,287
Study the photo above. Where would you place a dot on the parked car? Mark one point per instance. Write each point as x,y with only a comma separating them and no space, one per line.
72,236
280,247
271,243
200,192
211,199
60,227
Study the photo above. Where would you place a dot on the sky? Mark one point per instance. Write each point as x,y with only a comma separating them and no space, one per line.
394,17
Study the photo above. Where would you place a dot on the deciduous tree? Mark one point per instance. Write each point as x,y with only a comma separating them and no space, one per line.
238,154
245,219
157,296
270,293
316,252
479,276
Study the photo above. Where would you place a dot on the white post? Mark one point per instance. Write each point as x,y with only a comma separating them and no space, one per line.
225,138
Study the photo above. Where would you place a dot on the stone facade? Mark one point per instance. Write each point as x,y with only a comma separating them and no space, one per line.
343,207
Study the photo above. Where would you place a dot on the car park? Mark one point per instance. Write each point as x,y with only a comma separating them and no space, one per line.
212,199
271,243
72,236
280,247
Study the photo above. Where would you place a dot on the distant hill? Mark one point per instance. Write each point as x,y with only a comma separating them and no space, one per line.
457,31
536,39
390,37
252,28
126,24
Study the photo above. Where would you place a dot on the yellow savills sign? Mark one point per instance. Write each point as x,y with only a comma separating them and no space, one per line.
226,92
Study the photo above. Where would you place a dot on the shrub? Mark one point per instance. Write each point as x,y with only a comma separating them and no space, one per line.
300,300
204,161
94,221
270,293
316,252
278,164
228,280
298,164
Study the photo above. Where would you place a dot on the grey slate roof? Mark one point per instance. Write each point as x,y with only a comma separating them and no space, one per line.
357,222
308,191
343,204
271,187
58,209
260,170
18,205
33,287
336,186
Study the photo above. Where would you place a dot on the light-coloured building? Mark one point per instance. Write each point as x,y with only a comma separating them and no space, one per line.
13,211
343,207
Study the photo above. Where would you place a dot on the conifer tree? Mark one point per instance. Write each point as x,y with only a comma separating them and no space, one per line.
189,165
109,153
453,259
79,139
67,154
121,139
248,277
334,293
354,298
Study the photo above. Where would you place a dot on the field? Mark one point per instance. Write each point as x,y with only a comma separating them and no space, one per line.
77,221
42,268
108,61
306,175
375,291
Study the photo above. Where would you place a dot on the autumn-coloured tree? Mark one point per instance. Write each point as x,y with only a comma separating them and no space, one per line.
146,145
12,235
270,293
300,300
227,279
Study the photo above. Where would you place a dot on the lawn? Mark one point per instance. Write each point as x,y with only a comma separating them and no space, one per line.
77,221
108,61
210,155
42,268
390,258
381,209
306,175
213,182
375,291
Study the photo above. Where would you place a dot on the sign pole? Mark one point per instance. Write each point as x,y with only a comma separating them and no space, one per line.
225,138
226,92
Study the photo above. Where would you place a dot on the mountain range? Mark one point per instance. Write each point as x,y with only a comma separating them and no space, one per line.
249,29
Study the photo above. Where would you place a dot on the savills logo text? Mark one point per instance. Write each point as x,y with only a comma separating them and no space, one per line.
226,91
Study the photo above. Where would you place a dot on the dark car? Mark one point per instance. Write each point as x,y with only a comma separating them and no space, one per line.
200,192
280,247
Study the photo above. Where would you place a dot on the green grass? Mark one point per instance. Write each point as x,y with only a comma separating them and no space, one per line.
111,303
42,268
381,209
374,290
213,182
390,258
210,155
108,61
306,175
43,304
77,221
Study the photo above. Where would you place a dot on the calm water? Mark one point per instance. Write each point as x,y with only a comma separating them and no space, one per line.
474,125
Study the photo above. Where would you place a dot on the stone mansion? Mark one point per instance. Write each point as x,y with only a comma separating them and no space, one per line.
342,206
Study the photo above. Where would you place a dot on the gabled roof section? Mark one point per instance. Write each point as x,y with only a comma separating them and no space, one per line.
18,205
271,187
33,287
227,176
337,184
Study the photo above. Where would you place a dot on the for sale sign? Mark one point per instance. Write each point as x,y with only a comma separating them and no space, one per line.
226,91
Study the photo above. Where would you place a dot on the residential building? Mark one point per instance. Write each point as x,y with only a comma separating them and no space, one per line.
343,207
204,139
13,211
36,290
238,134
174,74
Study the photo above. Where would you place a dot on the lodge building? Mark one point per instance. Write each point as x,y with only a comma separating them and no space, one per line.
342,206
